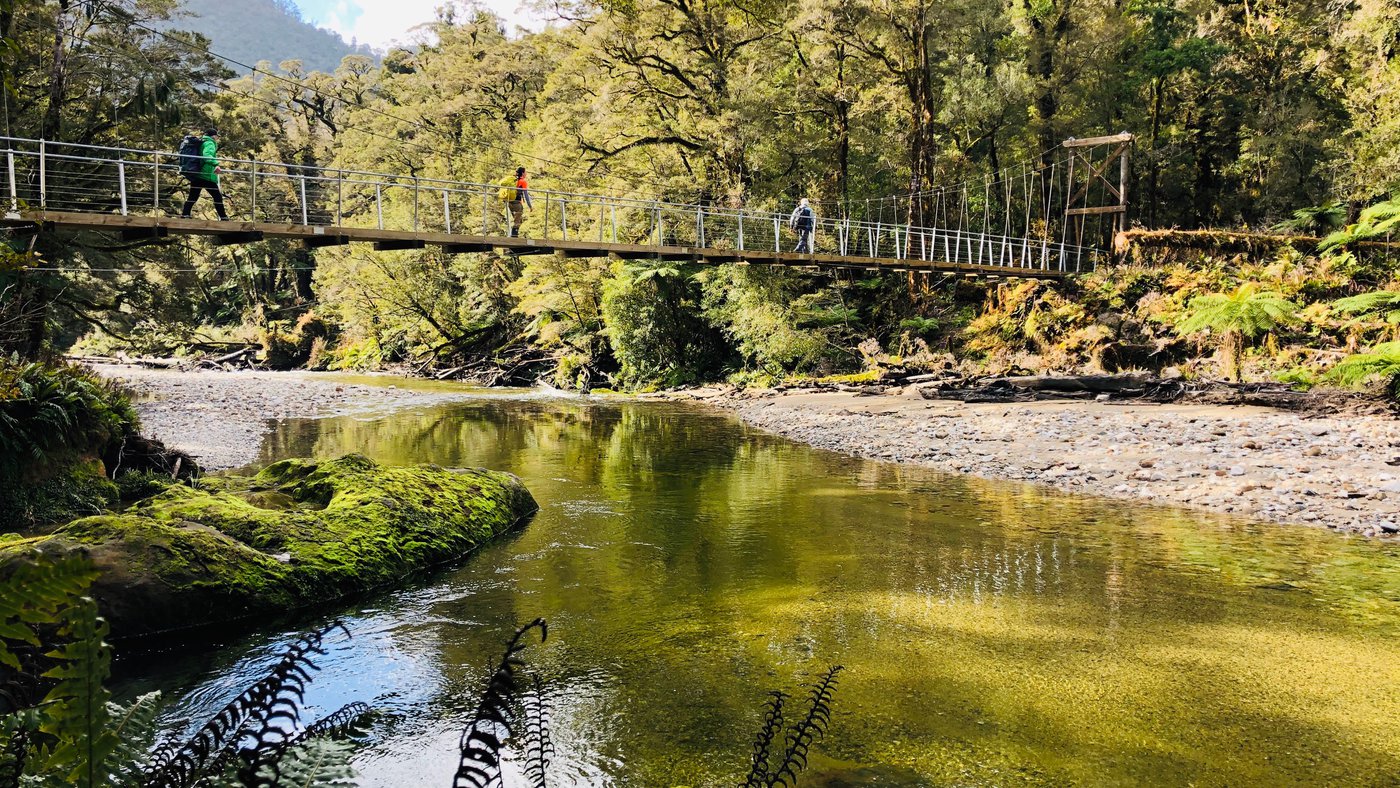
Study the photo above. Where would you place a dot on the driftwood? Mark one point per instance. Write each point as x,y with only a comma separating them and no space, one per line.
1097,384
236,355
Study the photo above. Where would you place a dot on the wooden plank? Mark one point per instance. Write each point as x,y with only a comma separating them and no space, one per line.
237,237
466,248
1091,141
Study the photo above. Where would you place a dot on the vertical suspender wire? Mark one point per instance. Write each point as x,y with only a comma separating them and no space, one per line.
1005,257
1027,181
985,242
1048,189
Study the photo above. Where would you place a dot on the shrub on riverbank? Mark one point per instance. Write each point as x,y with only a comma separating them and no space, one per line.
298,533
56,422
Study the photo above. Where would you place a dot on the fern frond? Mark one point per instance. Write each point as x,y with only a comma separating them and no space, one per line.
75,710
763,742
265,713
539,747
493,723
315,763
336,724
134,727
808,729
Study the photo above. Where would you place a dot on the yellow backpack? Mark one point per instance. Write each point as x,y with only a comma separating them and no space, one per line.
508,191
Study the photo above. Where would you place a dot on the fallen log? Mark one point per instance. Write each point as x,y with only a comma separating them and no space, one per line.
1098,384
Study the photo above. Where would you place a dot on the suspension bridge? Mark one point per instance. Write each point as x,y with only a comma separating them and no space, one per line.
1034,222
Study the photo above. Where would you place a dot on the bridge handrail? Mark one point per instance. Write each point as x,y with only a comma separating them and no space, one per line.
855,235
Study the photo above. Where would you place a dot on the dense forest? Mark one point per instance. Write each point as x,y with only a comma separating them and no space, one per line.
1248,115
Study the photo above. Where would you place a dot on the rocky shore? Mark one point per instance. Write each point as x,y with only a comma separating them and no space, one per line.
1335,472
221,417
1340,472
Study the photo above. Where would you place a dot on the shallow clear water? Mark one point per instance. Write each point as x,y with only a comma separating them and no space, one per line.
993,634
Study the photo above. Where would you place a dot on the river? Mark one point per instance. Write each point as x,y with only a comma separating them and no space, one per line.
991,633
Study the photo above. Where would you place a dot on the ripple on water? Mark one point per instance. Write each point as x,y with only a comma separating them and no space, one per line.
993,634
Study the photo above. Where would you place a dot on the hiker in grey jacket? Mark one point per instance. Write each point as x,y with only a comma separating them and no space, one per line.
803,220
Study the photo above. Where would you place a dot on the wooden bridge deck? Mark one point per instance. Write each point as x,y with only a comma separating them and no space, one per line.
134,227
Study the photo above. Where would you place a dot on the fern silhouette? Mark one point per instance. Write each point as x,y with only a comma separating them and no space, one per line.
497,718
763,743
800,735
266,712
539,748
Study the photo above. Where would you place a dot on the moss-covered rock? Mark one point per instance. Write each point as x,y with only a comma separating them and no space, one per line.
299,533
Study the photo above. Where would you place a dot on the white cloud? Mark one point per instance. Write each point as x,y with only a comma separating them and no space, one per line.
381,23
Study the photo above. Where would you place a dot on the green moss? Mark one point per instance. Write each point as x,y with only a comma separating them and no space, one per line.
79,489
299,533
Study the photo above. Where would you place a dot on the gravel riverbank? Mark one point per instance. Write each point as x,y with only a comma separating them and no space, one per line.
1341,473
221,417
1336,472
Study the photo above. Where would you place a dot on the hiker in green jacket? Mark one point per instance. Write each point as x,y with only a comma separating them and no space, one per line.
202,170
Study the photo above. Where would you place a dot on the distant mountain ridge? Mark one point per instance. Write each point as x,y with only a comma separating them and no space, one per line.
271,30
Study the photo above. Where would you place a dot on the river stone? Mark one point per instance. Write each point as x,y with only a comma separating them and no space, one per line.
300,533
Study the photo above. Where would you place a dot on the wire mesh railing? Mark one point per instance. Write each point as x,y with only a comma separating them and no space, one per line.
69,177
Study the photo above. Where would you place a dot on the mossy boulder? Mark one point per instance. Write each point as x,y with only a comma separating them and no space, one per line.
299,533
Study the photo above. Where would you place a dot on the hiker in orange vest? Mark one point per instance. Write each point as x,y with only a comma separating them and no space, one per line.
515,193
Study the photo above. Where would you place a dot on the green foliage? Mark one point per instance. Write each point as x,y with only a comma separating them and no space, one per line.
1382,362
52,413
1247,312
654,326
1379,221
1237,318
1384,304
1323,218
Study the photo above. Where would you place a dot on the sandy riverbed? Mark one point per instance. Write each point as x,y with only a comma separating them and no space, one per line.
1341,473
1338,472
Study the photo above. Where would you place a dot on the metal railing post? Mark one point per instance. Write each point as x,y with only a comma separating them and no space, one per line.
301,182
546,215
121,183
43,176
415,203
155,186
340,200
446,212
612,209
14,189
378,206
741,229
253,191
564,217
485,213
777,242
700,226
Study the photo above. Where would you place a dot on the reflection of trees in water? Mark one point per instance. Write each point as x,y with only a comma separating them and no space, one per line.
730,561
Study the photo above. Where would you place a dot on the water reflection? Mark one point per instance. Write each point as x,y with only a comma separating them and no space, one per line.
993,634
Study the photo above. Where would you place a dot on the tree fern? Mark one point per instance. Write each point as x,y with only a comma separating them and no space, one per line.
1384,304
1328,216
1383,362
1236,318
1377,221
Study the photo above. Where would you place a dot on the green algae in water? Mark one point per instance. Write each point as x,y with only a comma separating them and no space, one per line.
993,634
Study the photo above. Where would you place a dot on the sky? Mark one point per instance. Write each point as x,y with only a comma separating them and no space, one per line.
382,22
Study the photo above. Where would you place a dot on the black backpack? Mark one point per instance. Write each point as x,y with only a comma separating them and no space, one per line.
191,154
